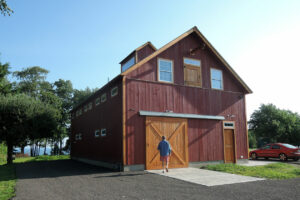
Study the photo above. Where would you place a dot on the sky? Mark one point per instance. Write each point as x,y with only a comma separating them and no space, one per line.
84,40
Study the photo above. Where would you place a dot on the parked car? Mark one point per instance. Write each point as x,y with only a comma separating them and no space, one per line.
276,150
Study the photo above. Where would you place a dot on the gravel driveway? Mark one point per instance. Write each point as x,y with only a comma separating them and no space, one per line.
67,179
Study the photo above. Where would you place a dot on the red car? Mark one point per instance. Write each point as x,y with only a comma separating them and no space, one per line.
276,150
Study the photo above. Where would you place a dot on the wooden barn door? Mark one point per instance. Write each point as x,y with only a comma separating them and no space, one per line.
175,131
229,146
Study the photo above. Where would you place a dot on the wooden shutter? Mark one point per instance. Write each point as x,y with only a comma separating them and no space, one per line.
192,76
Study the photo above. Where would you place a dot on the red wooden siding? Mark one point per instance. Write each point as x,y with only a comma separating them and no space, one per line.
106,115
144,52
155,96
148,71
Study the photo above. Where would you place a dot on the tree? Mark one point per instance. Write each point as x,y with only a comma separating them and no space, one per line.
270,124
5,85
4,9
81,95
32,81
23,117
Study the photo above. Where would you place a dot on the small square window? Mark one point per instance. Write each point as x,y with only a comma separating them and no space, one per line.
85,108
97,133
78,136
103,132
90,106
216,79
165,70
103,97
114,91
97,101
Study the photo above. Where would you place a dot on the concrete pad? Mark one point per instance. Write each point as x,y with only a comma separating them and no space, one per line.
205,177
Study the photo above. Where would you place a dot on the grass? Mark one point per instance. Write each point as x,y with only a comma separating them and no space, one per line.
271,171
8,175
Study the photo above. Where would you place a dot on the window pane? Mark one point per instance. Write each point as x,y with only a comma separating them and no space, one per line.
216,84
128,64
165,65
216,74
192,62
166,76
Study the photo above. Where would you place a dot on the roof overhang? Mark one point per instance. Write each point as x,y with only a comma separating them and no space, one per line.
179,115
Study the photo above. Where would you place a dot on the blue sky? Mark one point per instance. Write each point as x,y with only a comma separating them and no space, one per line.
84,41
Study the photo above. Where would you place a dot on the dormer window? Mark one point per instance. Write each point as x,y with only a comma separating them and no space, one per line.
128,64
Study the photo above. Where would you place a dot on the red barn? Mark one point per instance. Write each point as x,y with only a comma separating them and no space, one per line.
184,90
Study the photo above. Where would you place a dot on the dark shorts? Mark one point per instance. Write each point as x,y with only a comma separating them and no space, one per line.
165,158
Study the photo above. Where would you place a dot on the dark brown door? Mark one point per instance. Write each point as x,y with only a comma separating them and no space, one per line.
229,146
175,131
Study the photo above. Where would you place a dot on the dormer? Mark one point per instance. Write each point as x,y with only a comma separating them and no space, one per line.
137,55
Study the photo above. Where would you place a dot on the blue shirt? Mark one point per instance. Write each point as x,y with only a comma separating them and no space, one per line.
164,148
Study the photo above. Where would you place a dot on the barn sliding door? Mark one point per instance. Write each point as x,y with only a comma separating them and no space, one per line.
175,131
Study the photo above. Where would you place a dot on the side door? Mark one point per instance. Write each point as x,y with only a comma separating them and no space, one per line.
275,150
265,151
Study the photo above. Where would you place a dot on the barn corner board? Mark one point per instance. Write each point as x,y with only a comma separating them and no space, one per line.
185,90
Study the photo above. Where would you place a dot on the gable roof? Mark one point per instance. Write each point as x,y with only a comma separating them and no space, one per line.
139,48
165,47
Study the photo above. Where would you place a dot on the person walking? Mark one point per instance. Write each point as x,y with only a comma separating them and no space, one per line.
164,148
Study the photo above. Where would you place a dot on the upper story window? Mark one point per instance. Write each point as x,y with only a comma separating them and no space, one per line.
103,132
216,79
97,133
194,62
165,70
128,64
192,72
103,97
114,91
97,101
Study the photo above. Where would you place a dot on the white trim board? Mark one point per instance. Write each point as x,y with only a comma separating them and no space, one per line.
179,115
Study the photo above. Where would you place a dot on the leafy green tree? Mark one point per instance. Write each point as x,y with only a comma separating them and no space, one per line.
64,91
5,85
271,124
23,117
81,95
4,9
32,81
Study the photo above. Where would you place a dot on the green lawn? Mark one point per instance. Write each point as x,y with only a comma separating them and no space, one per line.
8,175
271,171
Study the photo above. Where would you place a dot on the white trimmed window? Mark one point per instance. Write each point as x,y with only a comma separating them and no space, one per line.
78,136
97,133
193,62
165,70
128,64
216,79
103,132
90,106
97,101
114,92
103,97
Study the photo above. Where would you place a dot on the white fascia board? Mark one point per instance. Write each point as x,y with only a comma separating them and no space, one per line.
179,115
